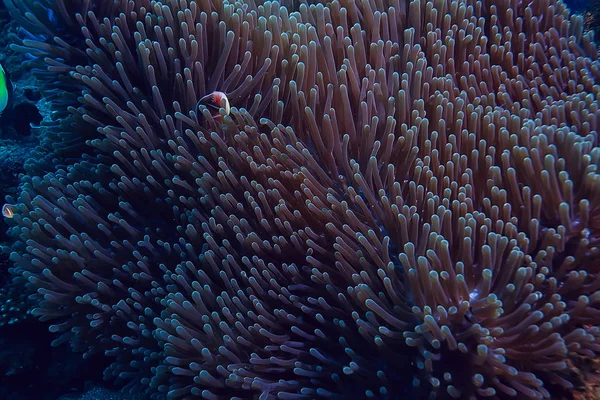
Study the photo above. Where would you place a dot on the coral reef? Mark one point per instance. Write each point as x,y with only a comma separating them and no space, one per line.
403,202
16,146
16,140
96,393
50,43
591,18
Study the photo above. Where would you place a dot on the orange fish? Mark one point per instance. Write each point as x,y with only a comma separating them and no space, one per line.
214,102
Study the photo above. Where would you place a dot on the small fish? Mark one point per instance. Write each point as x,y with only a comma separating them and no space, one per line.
214,102
5,90
9,210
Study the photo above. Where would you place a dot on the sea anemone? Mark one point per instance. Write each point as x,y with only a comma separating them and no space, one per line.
402,201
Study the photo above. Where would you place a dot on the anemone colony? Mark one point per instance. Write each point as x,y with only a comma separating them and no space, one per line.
404,200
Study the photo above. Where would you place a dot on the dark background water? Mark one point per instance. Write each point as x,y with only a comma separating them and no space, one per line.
578,5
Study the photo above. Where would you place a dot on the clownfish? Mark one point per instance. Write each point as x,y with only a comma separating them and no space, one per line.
8,211
5,90
214,102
